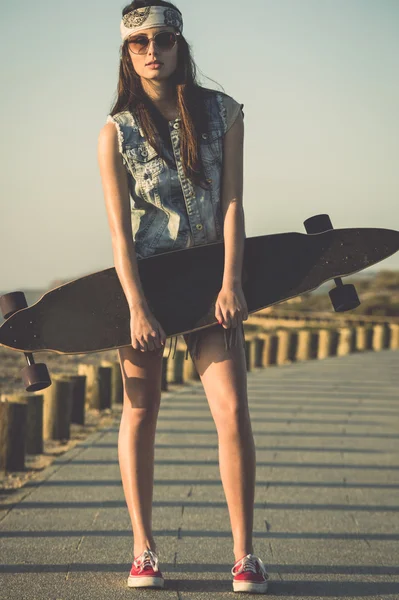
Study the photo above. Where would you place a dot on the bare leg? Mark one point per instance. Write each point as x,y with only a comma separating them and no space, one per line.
224,377
141,372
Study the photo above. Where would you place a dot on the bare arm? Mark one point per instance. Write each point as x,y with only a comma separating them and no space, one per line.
116,194
147,333
231,306
231,201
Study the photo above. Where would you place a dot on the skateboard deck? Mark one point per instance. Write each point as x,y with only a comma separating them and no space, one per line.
91,314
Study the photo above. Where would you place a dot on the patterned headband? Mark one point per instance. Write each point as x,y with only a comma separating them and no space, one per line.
150,16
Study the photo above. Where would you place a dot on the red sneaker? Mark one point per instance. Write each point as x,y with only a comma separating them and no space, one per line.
250,575
145,571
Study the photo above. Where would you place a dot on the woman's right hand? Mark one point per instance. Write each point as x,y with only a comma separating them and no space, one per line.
146,332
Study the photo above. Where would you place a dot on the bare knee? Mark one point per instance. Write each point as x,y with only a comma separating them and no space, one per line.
142,405
230,412
141,373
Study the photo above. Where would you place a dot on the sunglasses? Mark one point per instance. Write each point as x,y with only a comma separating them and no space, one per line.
164,40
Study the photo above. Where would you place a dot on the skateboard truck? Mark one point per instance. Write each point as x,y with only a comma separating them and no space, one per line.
35,375
344,296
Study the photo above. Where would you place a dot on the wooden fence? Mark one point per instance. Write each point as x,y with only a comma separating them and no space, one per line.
26,419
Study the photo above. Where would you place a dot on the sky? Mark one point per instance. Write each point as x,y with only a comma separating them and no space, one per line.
318,80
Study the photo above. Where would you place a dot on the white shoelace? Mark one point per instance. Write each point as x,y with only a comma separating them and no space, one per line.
248,563
148,558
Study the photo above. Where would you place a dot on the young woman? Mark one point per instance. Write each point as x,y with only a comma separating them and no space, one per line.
176,150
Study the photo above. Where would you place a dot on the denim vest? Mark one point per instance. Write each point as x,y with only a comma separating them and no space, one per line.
168,211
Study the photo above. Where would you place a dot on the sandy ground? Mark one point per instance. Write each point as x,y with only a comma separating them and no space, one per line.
11,364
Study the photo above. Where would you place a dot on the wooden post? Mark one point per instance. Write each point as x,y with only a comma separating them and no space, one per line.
13,418
394,342
89,372
57,408
380,337
287,343
116,381
164,383
369,337
314,343
34,423
34,419
346,343
269,356
283,346
98,385
268,348
78,384
175,367
258,351
304,350
250,353
361,338
328,340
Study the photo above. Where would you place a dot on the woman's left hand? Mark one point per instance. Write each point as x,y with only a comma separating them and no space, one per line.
231,306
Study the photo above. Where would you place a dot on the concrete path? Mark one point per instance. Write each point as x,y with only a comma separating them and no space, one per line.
326,504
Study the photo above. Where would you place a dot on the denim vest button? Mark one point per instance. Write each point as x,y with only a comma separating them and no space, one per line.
205,136
199,226
144,152
209,180
176,126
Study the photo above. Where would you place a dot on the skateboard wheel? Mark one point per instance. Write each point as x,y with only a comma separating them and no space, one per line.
318,224
11,303
344,297
35,377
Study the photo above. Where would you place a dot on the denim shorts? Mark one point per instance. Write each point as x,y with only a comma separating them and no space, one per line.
193,340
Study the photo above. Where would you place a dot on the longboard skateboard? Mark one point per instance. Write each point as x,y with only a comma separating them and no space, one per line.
91,314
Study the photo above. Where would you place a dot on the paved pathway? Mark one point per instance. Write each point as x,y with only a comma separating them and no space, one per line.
326,504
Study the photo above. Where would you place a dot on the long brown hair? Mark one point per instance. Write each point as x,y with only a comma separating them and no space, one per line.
190,98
